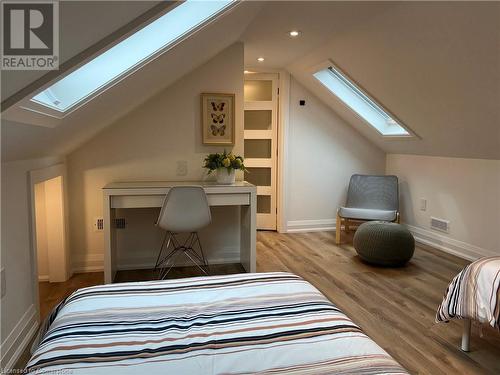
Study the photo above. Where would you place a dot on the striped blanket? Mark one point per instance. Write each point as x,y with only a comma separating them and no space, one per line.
474,294
266,323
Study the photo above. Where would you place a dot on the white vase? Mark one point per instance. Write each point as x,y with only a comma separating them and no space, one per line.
224,177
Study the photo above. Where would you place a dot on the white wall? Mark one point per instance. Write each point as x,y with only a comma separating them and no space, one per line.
464,191
323,152
146,145
18,313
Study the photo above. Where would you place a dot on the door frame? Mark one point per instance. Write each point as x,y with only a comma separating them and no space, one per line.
284,78
266,221
37,176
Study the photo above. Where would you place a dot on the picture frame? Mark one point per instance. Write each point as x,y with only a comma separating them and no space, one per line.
217,119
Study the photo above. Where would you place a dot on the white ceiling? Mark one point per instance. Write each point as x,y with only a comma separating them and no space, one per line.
319,22
436,66
23,141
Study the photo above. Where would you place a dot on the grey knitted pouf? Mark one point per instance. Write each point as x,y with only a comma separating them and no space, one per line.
384,244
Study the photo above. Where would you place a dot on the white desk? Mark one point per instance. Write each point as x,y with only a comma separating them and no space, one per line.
152,193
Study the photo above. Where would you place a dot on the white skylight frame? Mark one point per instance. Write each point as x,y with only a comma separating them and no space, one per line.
34,103
362,104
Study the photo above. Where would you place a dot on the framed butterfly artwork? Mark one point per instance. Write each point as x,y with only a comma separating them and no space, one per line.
217,118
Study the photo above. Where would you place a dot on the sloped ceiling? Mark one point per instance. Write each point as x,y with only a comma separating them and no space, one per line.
319,22
81,24
23,141
435,65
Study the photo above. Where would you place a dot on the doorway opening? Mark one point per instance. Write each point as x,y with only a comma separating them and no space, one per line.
49,237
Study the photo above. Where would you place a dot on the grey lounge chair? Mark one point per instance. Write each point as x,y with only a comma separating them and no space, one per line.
369,198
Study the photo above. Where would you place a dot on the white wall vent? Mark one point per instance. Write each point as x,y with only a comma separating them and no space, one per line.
120,223
98,224
440,225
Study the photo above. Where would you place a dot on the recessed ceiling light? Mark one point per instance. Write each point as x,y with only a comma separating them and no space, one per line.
260,59
294,33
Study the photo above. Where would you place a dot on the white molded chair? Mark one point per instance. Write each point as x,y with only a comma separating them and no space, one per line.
185,210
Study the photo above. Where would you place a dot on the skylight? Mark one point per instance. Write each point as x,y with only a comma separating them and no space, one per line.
113,64
349,93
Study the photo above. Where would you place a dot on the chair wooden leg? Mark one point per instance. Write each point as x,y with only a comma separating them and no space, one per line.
338,227
398,218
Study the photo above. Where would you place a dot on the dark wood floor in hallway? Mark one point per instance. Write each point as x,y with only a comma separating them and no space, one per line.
394,306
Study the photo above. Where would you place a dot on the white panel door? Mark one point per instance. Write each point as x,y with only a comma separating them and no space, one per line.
261,134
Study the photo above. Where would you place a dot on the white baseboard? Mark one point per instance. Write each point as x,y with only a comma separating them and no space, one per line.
138,264
88,263
95,262
449,245
427,237
296,226
19,338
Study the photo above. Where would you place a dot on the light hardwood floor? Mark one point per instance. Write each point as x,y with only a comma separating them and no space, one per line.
394,306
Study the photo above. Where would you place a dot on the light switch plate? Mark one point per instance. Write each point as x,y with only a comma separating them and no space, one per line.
182,168
423,204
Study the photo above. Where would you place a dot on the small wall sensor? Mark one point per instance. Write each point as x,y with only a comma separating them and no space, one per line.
302,102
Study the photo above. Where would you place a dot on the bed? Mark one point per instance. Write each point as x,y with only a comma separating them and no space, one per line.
474,294
266,323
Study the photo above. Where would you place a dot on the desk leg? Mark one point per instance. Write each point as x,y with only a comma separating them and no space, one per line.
248,233
109,241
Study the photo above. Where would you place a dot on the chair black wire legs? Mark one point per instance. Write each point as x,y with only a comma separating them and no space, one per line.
170,250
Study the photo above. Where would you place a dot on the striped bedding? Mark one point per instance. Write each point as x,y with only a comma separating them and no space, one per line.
265,323
474,294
